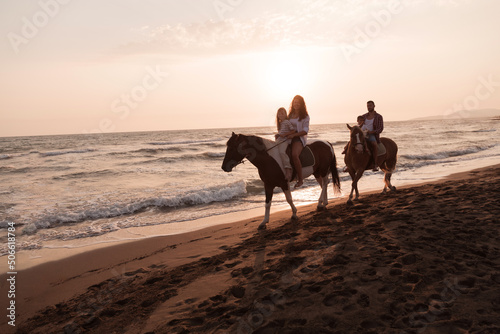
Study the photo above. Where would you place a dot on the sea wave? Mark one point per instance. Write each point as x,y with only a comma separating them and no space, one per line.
254,186
55,153
447,154
186,142
186,157
34,169
213,145
81,175
109,210
158,150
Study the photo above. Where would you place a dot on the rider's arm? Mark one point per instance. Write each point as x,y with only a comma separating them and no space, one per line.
378,124
286,134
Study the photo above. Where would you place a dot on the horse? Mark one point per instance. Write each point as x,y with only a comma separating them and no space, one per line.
357,158
257,150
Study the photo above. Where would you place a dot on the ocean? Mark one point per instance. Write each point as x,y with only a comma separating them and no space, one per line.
68,188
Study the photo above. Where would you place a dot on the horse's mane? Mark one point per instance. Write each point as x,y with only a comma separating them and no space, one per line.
250,138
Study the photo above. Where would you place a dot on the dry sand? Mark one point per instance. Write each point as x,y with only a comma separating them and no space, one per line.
425,259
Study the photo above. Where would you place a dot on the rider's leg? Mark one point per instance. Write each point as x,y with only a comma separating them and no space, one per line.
345,148
375,154
296,150
286,161
374,150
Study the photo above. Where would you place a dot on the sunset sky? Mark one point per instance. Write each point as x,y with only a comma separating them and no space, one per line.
78,66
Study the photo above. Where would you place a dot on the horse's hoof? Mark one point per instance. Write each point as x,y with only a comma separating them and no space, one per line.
349,202
393,188
262,227
294,218
321,208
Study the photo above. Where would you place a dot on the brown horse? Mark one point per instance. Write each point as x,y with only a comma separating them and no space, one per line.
259,150
358,157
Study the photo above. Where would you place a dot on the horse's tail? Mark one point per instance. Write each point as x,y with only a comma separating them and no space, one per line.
335,172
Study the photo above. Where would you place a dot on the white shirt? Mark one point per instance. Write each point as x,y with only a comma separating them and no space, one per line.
368,124
285,127
302,125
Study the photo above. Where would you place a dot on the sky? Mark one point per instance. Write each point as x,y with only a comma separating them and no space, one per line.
89,66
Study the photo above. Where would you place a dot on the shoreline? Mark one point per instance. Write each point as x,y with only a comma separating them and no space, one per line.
58,249
56,282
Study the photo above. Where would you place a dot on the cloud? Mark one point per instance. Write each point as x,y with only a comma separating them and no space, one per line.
228,36
307,25
324,23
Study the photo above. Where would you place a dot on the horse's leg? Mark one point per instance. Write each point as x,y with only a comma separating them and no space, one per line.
320,199
326,181
323,198
383,166
388,168
389,165
357,176
269,198
353,175
387,181
288,195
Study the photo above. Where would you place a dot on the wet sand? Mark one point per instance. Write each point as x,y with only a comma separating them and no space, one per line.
425,259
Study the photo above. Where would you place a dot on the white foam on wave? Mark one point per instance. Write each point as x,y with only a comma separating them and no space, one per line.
447,154
109,210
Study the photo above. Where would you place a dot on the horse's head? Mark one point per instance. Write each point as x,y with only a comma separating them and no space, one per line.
240,147
357,138
234,153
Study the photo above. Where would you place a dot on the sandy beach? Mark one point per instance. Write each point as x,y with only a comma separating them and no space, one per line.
425,259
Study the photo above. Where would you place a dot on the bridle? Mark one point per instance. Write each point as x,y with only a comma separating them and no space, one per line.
359,143
240,162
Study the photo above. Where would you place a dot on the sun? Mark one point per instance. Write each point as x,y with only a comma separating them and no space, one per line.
287,74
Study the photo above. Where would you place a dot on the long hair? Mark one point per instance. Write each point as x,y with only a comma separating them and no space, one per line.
302,110
278,122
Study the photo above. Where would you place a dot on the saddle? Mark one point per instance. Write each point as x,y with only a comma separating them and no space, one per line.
306,160
381,151
306,156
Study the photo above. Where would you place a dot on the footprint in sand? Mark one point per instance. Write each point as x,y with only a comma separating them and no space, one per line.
233,264
363,300
238,291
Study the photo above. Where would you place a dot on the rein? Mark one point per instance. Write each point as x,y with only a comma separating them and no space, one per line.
360,142
270,148
267,150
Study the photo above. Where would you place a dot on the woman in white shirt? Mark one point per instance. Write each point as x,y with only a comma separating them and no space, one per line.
299,118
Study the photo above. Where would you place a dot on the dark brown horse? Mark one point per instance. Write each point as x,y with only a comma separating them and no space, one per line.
358,157
259,152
